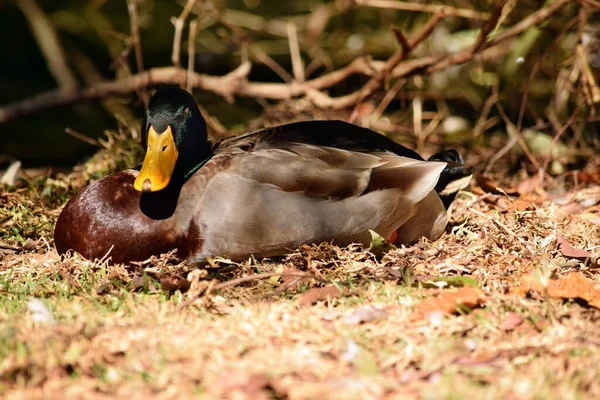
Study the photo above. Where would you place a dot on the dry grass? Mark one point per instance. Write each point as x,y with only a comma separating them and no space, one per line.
116,331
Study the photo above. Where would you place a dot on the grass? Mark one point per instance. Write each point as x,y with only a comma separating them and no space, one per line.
109,331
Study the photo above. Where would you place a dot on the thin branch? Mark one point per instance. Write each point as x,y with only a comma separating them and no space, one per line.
297,64
191,54
135,34
558,136
480,43
225,86
137,45
178,23
82,137
529,21
47,39
427,8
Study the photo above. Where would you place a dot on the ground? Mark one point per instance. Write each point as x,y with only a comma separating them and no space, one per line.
503,305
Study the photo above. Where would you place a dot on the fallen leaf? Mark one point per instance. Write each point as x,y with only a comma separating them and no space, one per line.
590,217
379,245
529,184
511,321
275,278
455,281
241,386
364,314
572,286
449,302
30,245
10,176
39,312
569,251
313,295
171,284
291,277
490,185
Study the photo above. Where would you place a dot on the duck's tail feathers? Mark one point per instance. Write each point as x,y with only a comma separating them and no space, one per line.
455,176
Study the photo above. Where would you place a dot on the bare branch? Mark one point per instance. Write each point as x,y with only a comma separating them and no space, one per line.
178,23
191,54
137,45
427,8
297,64
47,39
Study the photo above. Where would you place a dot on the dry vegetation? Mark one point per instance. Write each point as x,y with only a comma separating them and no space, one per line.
477,312
505,305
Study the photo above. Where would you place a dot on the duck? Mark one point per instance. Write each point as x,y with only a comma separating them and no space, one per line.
262,194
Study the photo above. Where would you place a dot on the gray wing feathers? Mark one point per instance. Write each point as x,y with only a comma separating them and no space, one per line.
271,200
263,220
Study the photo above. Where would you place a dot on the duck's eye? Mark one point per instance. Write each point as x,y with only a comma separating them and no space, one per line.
186,111
164,148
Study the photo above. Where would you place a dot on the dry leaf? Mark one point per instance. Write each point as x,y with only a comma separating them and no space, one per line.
590,217
569,251
364,314
241,386
490,185
572,286
448,301
315,294
529,184
511,321
171,284
290,278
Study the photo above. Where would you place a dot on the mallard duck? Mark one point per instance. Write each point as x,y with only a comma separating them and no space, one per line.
262,193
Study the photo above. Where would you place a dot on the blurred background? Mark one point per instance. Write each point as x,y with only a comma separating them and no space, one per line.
530,95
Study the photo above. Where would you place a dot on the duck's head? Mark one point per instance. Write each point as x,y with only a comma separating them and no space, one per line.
175,139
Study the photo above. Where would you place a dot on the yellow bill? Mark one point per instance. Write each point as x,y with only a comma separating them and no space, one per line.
159,163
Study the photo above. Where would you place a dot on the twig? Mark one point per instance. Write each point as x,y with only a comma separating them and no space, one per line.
225,85
135,34
264,58
559,134
428,8
137,46
82,137
191,54
529,21
480,43
248,278
297,64
535,69
89,74
47,39
178,23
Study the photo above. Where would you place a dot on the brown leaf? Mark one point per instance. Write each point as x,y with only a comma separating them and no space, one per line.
569,251
30,245
490,185
529,184
511,321
364,314
315,294
448,302
290,278
590,217
572,286
171,284
241,386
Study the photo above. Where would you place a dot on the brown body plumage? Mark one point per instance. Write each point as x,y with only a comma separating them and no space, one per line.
262,193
